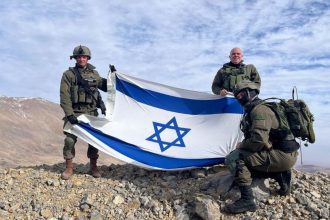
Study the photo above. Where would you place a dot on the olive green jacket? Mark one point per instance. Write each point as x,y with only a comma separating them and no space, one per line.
228,76
69,90
256,127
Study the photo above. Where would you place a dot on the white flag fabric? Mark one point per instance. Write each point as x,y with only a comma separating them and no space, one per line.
161,127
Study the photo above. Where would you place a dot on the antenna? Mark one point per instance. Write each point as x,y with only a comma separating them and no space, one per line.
294,89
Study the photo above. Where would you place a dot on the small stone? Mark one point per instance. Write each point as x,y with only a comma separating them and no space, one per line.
76,213
87,199
133,205
96,216
49,182
65,216
10,181
46,213
267,183
291,200
270,201
198,173
118,200
2,205
84,207
56,183
325,213
76,183
13,208
144,200
315,194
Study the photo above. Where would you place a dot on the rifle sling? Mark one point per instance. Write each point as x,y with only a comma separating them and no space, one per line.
82,82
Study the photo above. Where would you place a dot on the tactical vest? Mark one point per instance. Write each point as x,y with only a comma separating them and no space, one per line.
81,98
233,75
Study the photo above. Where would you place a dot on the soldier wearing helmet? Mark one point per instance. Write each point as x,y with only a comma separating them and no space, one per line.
233,72
79,94
260,153
81,51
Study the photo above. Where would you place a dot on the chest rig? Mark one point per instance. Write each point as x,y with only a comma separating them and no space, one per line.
233,75
84,91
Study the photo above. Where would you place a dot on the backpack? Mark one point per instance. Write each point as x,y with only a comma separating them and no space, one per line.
295,116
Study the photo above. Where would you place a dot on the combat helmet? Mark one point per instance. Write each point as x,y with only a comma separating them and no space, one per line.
246,84
81,50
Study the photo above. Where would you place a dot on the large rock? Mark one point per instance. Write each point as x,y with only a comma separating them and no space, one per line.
223,182
207,208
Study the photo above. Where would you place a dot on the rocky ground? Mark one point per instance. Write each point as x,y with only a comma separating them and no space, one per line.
128,192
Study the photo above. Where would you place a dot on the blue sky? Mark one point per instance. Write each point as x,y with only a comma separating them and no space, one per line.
181,43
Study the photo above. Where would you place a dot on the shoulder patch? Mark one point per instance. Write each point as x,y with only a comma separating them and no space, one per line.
259,117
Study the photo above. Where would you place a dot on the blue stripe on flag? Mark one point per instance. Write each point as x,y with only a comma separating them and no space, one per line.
178,104
145,157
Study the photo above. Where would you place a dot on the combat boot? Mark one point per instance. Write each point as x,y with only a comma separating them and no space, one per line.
284,180
68,170
245,203
94,170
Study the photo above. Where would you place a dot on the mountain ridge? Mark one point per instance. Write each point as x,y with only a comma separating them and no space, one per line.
31,133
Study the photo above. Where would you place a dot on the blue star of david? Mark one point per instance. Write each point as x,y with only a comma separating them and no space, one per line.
172,124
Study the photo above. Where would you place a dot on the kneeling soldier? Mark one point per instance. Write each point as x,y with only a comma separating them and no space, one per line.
263,151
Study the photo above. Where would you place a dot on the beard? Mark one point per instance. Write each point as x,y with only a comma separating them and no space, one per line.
248,97
244,99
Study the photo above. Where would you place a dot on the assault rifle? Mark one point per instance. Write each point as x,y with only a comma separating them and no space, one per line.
84,84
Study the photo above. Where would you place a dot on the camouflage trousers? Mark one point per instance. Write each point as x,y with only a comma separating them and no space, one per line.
70,141
269,161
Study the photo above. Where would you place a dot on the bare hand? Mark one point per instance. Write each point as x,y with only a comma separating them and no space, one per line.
223,92
238,145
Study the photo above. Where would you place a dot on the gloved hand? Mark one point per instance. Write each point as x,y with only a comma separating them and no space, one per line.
103,111
112,68
72,119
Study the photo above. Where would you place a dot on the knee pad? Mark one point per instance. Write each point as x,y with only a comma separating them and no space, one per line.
69,141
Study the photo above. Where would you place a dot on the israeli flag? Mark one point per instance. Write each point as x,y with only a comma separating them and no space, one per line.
161,127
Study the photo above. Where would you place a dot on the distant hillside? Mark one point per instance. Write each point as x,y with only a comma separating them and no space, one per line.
312,168
31,134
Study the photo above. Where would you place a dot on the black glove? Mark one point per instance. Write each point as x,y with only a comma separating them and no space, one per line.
112,68
103,111
104,86
102,107
72,119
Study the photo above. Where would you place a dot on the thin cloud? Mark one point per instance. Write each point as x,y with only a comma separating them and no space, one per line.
181,43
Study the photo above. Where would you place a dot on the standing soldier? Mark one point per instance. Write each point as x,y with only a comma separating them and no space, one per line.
80,95
233,72
265,151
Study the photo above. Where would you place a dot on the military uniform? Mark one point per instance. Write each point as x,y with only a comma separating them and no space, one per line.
75,101
266,151
231,74
260,151
79,94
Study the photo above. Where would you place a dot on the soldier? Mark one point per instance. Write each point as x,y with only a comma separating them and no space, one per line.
79,94
233,72
264,152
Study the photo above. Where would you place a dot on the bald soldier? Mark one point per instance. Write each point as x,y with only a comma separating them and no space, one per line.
233,72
